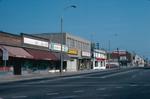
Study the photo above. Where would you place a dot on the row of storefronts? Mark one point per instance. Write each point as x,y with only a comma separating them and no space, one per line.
26,53
79,49
29,53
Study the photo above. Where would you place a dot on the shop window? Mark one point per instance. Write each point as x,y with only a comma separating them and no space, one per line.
96,64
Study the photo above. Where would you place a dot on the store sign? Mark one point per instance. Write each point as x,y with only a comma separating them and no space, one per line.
100,59
119,52
99,55
35,42
99,51
73,51
88,54
57,47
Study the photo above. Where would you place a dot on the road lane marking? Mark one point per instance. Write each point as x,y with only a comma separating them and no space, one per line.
101,89
118,87
17,97
66,97
51,80
115,74
133,85
49,94
97,73
82,85
78,91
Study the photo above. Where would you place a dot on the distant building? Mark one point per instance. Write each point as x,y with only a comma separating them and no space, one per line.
138,61
99,58
120,58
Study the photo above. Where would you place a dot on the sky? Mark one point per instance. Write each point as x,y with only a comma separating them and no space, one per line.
123,23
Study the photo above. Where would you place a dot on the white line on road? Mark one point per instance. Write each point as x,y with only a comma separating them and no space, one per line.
133,85
18,97
115,74
78,91
51,80
101,89
49,94
66,97
97,73
118,87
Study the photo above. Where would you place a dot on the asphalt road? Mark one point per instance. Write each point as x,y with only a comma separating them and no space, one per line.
131,84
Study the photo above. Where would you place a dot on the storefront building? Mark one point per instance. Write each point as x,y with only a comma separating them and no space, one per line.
25,53
124,58
138,61
56,48
76,48
43,58
12,54
99,59
85,62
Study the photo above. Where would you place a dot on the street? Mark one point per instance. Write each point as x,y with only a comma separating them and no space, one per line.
117,84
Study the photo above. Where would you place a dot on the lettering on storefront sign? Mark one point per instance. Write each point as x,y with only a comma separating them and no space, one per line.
35,42
84,53
57,47
99,55
73,51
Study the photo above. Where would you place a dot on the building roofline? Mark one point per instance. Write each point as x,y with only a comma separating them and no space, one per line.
10,33
34,36
67,33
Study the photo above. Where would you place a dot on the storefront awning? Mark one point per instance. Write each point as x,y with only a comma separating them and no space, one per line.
100,59
1,53
41,54
16,52
64,55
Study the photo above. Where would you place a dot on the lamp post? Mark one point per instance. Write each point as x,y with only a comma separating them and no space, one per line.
109,54
61,41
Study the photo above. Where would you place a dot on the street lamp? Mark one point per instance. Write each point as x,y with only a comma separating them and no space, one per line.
61,23
109,54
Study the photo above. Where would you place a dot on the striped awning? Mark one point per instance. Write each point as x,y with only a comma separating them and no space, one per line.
16,52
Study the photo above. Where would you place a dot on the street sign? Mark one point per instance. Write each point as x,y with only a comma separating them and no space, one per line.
5,54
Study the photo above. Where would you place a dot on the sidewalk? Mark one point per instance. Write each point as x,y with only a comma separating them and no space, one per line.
9,77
